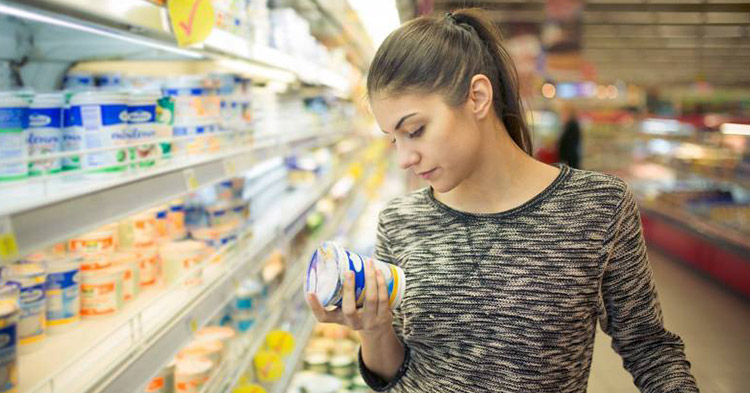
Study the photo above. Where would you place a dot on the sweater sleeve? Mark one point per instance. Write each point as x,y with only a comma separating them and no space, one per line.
383,253
631,312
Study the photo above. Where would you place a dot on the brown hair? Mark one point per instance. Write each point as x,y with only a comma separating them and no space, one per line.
442,54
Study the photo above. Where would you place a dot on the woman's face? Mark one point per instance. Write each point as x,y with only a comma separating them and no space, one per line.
437,142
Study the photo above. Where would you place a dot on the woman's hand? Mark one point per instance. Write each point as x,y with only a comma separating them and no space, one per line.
375,316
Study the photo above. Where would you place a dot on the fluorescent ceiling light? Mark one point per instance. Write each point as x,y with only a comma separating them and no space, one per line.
380,18
735,129
37,17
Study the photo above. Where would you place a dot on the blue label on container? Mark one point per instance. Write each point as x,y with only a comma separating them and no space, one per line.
142,114
32,310
45,117
37,139
63,297
93,117
357,265
8,353
14,118
67,117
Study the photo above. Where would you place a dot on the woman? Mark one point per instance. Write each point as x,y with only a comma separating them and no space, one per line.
509,262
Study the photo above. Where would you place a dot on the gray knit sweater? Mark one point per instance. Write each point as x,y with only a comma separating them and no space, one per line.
509,302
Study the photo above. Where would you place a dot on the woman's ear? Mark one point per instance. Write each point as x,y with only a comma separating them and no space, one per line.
480,96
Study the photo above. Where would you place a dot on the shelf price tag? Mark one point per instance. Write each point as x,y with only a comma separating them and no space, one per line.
229,168
193,325
268,366
280,342
8,244
191,180
192,20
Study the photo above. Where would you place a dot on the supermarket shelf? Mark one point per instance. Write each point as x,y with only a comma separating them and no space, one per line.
145,23
301,337
71,210
114,354
291,285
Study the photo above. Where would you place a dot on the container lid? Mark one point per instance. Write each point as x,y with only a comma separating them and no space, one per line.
9,99
250,287
216,332
124,258
193,365
64,264
202,346
106,273
33,271
341,361
187,246
44,100
323,274
144,97
316,358
98,97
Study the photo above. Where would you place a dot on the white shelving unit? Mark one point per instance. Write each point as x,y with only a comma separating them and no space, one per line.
121,353
81,205
144,23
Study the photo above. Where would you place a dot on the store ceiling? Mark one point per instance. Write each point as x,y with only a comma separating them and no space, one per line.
647,42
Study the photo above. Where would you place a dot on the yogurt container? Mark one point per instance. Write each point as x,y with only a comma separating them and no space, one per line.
162,222
248,295
94,261
162,382
210,349
99,242
101,292
127,262
143,127
224,334
32,327
14,122
72,138
149,265
138,230
176,220
327,270
63,291
45,132
180,257
191,374
102,119
9,318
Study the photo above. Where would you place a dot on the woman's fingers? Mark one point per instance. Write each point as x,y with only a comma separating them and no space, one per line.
320,313
383,300
349,306
370,308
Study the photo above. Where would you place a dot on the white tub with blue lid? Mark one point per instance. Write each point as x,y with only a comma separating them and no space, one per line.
32,327
102,117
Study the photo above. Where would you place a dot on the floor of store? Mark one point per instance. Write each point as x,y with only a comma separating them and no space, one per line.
713,323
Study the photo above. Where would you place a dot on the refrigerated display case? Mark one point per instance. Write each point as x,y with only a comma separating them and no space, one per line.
232,112
692,186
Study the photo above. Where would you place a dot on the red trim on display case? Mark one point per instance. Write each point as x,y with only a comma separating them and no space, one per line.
727,266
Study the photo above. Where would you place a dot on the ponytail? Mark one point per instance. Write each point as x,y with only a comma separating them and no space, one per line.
442,54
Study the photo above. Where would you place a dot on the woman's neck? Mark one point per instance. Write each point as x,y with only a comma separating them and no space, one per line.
505,177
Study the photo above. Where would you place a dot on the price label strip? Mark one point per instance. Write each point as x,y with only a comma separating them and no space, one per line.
191,180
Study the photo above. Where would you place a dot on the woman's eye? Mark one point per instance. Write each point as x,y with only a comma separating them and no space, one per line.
416,133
